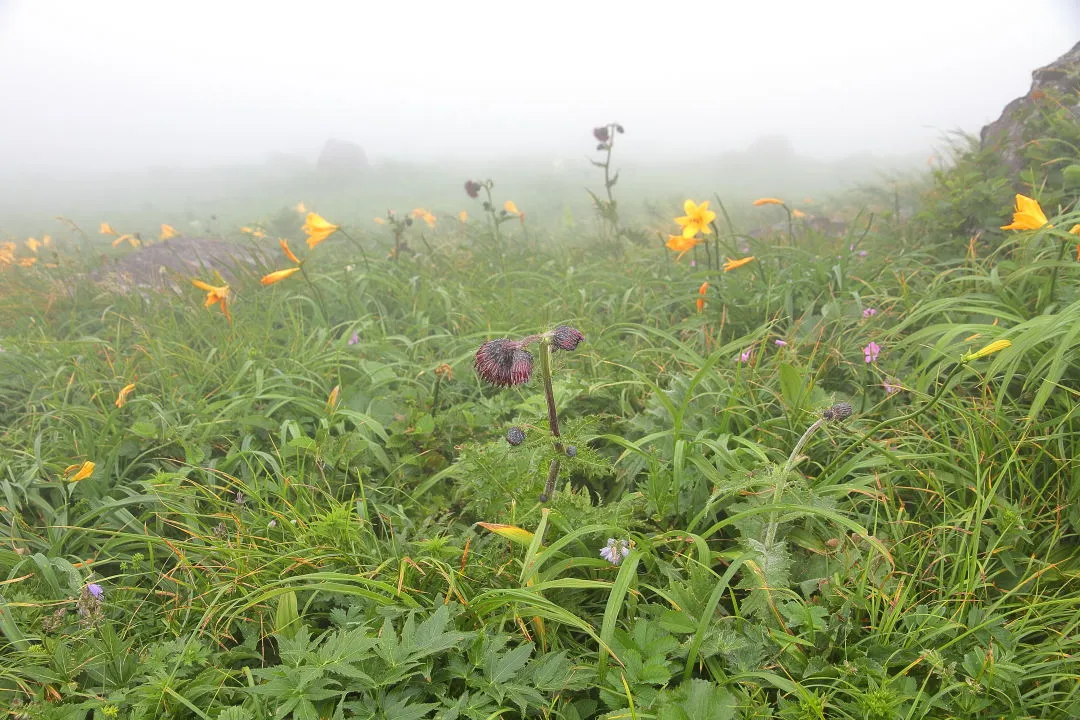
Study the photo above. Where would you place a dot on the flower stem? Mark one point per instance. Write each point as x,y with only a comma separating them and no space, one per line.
781,480
318,294
553,419
1054,276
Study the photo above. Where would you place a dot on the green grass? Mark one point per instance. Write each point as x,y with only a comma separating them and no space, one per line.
264,552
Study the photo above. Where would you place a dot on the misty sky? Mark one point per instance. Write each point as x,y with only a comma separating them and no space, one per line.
125,84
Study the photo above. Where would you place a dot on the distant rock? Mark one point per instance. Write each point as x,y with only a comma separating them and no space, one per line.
171,264
342,160
1060,80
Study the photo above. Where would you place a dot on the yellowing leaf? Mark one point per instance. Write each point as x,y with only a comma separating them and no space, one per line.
511,532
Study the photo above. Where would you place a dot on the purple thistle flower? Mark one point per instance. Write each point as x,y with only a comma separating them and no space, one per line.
615,551
515,436
870,352
95,590
566,337
601,134
355,338
504,362
780,343
472,189
869,312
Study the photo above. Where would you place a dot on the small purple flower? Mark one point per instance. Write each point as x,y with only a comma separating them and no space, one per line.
355,338
744,357
863,253
869,312
693,263
95,590
892,386
566,337
504,362
780,343
870,352
615,551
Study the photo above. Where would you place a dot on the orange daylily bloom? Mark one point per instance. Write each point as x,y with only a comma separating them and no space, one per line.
317,228
424,215
134,241
1075,229
301,207
288,253
278,275
33,244
380,221
463,216
701,291
798,214
81,471
696,220
511,208
122,396
768,201
168,231
46,240
1028,215
7,253
106,229
246,229
331,401
732,264
27,261
215,295
681,244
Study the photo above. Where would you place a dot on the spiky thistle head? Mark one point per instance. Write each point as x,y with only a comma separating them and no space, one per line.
836,413
515,436
565,337
472,188
504,362
601,134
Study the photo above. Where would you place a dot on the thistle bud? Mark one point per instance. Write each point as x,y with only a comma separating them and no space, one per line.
838,412
515,436
601,134
565,337
571,450
472,189
504,362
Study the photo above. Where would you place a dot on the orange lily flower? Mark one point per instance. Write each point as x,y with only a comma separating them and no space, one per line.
168,231
215,295
463,216
1028,215
27,261
732,264
317,228
697,219
681,244
288,253
278,275
768,201
701,291
798,214
81,471
130,238
122,396
106,229
33,245
301,207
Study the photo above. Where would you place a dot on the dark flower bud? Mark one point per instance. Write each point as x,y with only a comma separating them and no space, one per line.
504,362
571,450
838,412
601,134
602,146
565,337
408,222
472,189
487,206
619,128
515,436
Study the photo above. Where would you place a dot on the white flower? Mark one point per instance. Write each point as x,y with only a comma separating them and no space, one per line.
615,550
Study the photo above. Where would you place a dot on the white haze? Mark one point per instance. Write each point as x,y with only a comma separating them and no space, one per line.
118,84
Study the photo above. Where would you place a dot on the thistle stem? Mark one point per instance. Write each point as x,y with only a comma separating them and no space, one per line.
553,419
781,480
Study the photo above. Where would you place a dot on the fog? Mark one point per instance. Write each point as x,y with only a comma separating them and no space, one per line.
120,86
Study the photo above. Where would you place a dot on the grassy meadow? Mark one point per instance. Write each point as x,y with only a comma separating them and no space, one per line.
816,471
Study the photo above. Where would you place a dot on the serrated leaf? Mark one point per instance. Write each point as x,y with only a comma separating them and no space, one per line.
500,668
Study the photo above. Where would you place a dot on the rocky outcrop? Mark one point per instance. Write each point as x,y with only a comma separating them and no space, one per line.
341,160
171,264
1057,83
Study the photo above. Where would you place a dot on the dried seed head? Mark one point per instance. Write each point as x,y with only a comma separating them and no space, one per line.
504,362
515,436
838,412
565,337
